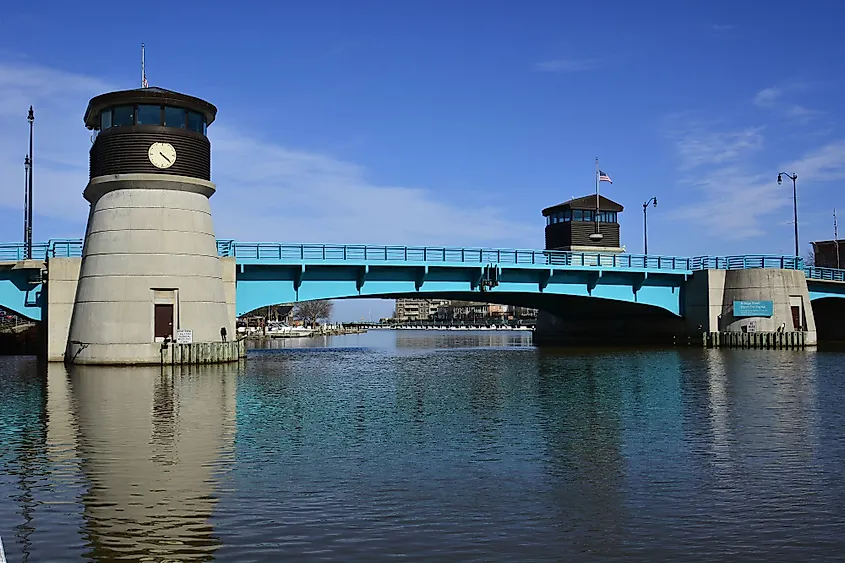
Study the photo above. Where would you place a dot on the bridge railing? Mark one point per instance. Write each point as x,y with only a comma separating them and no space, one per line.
65,248
16,251
427,254
449,255
824,274
747,261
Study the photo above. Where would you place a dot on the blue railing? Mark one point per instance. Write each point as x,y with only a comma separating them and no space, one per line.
325,252
276,252
745,262
447,255
825,274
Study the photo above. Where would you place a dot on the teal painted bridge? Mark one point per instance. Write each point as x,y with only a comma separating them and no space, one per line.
271,273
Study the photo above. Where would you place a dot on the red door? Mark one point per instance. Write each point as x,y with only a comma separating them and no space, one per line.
163,320
796,317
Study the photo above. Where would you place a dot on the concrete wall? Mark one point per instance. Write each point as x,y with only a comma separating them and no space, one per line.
703,298
149,238
783,288
62,278
229,271
709,297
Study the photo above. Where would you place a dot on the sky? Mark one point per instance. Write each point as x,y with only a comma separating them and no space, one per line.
453,122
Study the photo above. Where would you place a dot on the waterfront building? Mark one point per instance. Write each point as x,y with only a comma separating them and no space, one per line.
575,225
416,309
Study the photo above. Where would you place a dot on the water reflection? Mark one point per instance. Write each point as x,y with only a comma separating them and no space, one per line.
113,463
398,340
429,449
154,444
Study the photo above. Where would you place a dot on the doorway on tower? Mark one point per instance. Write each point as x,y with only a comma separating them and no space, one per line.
796,307
164,313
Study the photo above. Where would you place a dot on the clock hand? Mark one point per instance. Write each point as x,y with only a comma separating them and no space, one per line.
164,157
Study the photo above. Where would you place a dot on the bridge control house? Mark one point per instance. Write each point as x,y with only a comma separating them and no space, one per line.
574,224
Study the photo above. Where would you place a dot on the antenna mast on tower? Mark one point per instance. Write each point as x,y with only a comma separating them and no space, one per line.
143,70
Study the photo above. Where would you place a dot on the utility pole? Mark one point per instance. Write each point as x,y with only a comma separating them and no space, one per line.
31,118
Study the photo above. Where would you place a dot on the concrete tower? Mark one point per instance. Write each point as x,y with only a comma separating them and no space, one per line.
149,261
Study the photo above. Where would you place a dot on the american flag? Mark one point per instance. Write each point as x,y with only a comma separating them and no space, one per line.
144,82
604,177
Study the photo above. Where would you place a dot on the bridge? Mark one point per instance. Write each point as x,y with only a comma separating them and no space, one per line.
270,273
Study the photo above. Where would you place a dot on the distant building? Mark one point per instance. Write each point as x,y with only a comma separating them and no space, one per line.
410,310
416,309
472,311
572,225
829,253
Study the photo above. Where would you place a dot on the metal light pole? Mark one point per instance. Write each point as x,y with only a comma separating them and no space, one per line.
25,199
31,119
792,177
645,223
836,238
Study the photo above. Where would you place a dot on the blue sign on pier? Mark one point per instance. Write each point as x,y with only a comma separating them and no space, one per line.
753,308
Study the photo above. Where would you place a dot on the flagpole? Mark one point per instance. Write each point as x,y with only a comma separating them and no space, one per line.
597,194
143,70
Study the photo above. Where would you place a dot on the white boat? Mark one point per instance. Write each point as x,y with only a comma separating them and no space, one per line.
283,330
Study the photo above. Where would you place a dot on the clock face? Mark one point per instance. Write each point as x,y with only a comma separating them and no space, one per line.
162,155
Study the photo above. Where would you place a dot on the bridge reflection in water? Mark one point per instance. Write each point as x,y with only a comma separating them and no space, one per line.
152,448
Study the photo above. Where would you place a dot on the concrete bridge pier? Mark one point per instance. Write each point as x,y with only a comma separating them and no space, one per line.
707,305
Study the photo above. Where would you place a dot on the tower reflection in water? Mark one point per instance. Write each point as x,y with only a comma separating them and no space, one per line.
153,445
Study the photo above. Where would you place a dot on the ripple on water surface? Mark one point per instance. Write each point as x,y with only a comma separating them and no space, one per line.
431,447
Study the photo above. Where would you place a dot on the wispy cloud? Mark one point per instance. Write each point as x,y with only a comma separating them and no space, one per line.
61,140
293,195
266,191
697,145
727,197
567,65
731,182
824,163
775,99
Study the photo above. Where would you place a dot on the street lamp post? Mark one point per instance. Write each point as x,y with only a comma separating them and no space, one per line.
31,118
645,223
792,177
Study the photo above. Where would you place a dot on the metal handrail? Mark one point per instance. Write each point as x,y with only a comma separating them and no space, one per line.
276,252
824,274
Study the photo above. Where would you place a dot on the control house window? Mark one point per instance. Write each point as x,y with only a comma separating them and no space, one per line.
174,117
196,122
123,115
149,115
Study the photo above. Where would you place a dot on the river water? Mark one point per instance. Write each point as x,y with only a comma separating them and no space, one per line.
428,447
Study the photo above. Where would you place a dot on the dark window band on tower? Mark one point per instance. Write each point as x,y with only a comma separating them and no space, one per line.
148,114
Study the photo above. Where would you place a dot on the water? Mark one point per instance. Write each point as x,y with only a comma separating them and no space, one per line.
428,446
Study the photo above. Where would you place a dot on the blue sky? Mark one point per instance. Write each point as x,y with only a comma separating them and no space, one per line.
454,122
